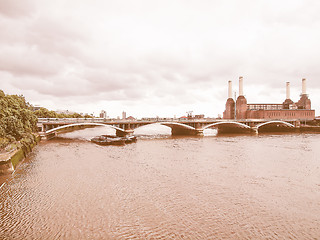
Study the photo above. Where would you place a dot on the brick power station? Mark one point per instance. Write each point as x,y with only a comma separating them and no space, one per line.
288,110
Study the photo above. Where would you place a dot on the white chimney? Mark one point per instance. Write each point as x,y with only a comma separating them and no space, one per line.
240,86
288,90
230,89
304,86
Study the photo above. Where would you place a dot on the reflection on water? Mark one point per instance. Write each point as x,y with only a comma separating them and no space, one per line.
229,187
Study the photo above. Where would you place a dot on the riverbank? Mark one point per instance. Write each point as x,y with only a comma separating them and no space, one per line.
16,152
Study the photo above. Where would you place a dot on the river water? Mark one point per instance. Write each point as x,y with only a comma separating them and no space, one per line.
211,187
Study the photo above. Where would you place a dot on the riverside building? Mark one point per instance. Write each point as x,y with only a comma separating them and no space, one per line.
288,110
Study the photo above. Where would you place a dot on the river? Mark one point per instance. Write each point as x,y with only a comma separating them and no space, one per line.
211,187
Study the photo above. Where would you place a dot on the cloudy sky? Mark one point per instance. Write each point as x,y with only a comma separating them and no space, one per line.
157,57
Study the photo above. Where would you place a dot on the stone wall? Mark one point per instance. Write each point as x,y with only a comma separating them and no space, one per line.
15,157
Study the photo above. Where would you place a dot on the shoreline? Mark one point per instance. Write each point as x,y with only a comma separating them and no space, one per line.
13,158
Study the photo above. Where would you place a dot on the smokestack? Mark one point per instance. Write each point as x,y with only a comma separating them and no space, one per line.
230,89
304,86
240,86
288,90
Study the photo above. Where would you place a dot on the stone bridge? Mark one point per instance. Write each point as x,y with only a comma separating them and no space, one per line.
178,127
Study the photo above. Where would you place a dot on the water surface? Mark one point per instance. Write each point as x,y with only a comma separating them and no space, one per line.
229,187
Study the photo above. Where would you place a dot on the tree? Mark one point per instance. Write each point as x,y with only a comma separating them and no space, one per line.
13,126
16,117
88,116
75,115
45,113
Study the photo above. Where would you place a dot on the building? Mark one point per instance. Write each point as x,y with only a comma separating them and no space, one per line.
124,115
199,116
103,114
182,118
288,110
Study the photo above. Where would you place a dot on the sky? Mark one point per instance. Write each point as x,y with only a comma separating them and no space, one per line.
158,57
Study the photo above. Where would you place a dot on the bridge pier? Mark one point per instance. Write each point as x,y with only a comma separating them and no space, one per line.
255,130
235,130
124,133
49,136
199,132
186,132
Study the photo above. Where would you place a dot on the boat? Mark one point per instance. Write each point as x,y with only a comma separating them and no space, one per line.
127,139
105,140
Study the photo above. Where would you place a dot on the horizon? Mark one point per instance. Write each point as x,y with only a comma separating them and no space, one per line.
235,94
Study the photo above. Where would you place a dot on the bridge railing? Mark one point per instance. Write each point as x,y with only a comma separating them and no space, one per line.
153,120
103,120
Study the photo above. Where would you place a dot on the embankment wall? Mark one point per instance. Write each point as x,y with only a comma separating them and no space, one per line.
8,165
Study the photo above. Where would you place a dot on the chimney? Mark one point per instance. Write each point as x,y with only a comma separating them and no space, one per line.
230,89
240,86
304,86
288,90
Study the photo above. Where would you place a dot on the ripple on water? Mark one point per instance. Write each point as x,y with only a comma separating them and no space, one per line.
241,187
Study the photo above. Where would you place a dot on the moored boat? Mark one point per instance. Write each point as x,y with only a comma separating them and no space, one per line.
104,141
113,140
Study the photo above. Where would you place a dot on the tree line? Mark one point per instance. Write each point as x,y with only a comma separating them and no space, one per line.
45,113
18,119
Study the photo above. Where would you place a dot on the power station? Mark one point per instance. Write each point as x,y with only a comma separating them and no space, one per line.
288,110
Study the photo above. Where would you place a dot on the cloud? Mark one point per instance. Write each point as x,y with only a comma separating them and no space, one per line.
16,8
158,57
55,37
25,61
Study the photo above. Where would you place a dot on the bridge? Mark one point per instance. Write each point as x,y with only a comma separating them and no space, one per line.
50,127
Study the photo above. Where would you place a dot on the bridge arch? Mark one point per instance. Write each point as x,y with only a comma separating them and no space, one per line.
283,123
54,130
175,124
182,129
141,126
230,127
227,123
176,128
275,126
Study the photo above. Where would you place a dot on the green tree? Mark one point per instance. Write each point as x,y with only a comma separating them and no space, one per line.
45,113
76,115
13,126
16,117
88,116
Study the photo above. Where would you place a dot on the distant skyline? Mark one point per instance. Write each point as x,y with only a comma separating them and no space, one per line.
158,58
